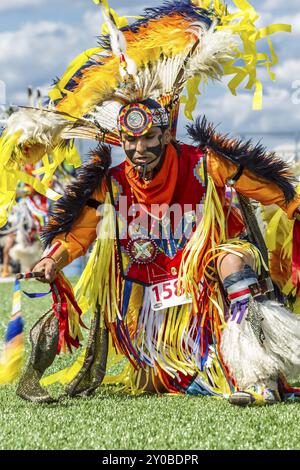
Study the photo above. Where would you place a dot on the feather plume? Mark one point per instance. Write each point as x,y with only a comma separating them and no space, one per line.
51,128
88,178
169,30
117,39
37,126
162,38
118,45
215,47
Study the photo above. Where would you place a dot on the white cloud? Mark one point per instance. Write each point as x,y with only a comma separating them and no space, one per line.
271,5
35,45
288,71
13,4
93,21
235,114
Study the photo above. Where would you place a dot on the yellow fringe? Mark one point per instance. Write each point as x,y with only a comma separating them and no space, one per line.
209,234
66,375
279,241
11,362
12,173
97,284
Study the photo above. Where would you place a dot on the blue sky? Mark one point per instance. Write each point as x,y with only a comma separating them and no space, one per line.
38,39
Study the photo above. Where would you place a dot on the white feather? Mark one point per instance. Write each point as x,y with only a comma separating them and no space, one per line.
153,82
117,39
159,78
49,127
37,126
106,115
118,45
214,48
252,363
131,67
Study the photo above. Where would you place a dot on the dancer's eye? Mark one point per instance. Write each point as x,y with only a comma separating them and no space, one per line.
130,138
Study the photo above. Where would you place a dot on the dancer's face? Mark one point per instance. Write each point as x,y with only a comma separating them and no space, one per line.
146,150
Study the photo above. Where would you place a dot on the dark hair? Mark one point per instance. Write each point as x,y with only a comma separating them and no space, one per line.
151,104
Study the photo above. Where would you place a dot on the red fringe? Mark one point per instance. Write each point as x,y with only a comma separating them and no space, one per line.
60,293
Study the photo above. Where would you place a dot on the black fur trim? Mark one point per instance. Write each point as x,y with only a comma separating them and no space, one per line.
254,158
67,209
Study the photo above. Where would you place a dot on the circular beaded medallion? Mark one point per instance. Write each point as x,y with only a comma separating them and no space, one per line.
142,250
136,119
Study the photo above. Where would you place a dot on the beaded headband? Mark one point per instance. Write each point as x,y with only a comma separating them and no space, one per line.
136,119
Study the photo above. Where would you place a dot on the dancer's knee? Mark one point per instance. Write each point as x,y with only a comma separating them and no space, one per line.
230,263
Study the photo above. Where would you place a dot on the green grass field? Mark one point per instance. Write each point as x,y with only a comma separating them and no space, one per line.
111,420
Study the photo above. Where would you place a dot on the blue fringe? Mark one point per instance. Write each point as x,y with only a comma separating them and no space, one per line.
203,359
14,328
73,83
125,336
195,389
126,297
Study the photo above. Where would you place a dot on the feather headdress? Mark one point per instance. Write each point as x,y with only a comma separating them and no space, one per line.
169,49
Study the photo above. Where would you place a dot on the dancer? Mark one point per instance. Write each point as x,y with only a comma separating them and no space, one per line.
178,278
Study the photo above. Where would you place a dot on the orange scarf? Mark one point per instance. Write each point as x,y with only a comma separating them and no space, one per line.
161,189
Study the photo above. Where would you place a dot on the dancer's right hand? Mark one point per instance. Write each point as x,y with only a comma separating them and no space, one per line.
47,266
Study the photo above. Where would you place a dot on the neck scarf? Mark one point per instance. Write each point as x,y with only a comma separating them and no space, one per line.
161,189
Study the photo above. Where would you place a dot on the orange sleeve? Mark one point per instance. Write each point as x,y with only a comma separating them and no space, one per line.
83,233
249,184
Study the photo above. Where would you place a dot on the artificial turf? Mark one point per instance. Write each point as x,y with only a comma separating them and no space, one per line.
112,421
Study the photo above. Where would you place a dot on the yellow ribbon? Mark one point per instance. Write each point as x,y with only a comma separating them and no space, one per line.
70,155
11,174
242,23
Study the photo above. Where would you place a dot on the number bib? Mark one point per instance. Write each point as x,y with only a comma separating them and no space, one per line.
165,295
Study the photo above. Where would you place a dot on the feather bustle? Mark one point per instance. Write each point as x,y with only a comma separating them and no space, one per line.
254,158
67,210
